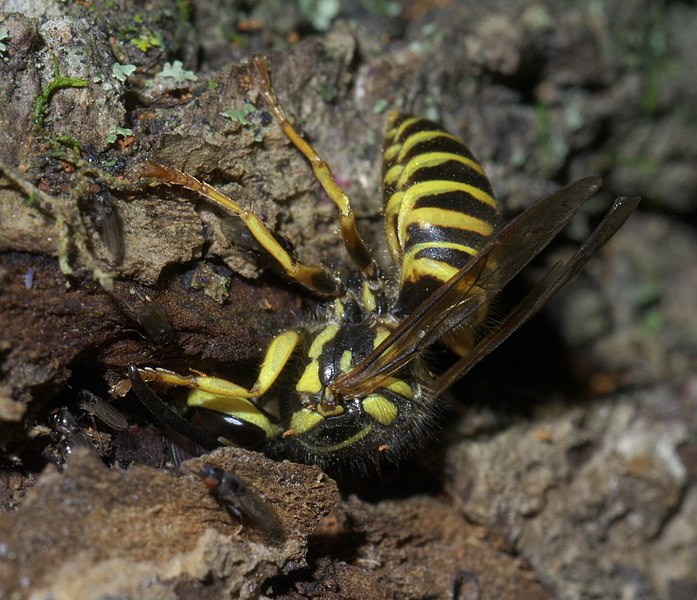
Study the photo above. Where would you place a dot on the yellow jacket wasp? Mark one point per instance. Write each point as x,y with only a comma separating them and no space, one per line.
361,388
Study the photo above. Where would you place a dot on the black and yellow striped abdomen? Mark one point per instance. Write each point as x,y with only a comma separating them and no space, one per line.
439,207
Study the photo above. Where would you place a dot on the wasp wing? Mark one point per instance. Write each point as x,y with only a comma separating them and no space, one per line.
457,300
549,285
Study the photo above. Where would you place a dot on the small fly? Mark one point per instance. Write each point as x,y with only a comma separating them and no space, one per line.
241,501
102,410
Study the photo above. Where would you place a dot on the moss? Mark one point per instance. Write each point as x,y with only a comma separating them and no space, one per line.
59,82
145,42
184,9
141,35
550,148
386,8
66,140
328,91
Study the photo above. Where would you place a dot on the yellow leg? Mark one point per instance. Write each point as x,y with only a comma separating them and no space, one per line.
224,396
277,355
352,239
313,277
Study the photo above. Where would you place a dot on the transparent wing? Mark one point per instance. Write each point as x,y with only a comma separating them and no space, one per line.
459,299
549,285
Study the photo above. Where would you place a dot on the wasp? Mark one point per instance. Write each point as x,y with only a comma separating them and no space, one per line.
361,389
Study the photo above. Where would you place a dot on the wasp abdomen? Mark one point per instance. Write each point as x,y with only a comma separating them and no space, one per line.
439,206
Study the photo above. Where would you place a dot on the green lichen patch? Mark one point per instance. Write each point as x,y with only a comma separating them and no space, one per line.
122,72
4,38
241,116
176,71
117,132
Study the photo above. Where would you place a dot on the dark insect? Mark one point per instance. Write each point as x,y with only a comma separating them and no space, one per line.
243,503
155,320
106,219
102,410
69,435
362,390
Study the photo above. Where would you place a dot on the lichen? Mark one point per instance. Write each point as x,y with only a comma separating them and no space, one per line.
242,117
4,37
175,71
117,132
121,72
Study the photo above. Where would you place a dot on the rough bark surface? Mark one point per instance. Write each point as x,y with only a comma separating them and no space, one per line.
567,466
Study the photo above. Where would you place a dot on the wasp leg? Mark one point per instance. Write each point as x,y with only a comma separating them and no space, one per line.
208,435
313,277
166,417
224,396
352,239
